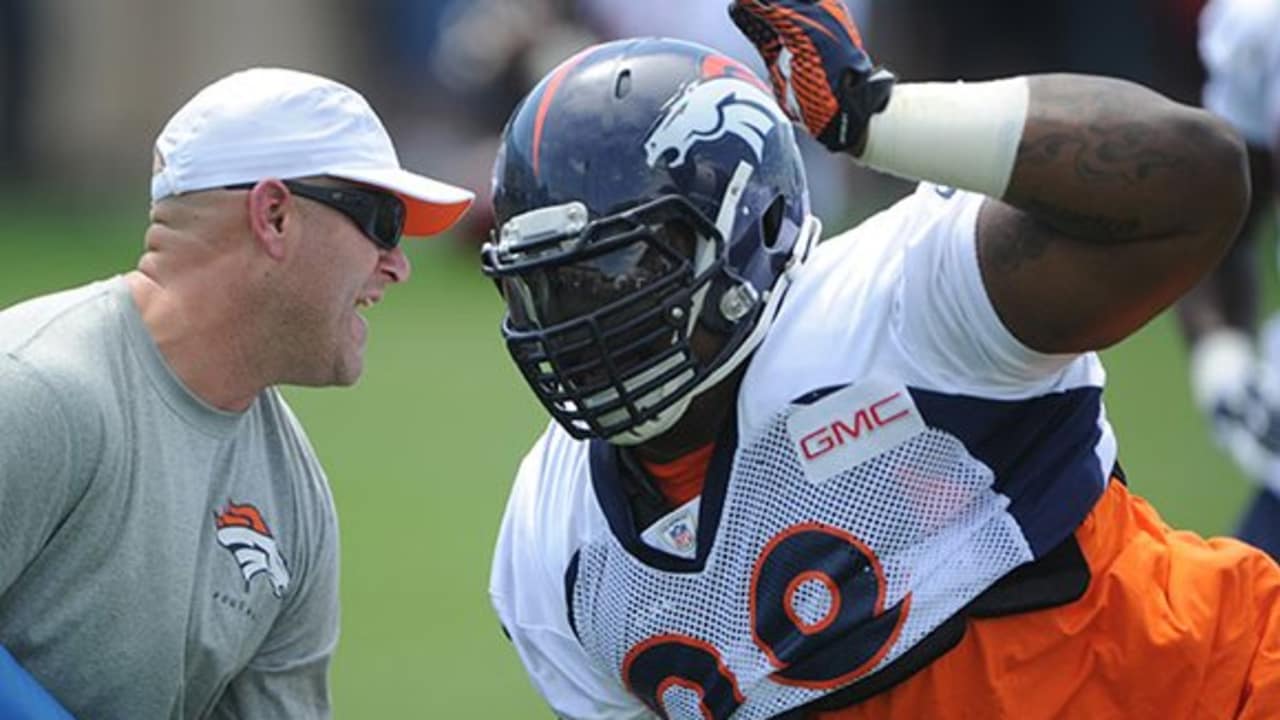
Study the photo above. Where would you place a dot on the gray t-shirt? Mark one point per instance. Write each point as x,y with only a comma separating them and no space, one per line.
159,558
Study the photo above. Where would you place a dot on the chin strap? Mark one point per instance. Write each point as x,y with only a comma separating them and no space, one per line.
810,233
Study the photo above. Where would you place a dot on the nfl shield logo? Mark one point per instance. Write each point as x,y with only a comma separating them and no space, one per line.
680,535
677,533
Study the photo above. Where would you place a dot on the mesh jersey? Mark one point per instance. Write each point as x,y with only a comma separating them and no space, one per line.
896,451
1240,47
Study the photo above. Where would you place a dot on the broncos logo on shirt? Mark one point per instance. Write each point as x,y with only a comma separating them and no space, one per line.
242,530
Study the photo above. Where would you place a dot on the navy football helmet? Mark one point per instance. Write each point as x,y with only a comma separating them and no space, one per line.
647,192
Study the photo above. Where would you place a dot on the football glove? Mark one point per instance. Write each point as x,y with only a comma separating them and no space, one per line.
820,72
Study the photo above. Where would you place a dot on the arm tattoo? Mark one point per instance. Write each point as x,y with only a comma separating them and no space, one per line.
1098,162
1122,153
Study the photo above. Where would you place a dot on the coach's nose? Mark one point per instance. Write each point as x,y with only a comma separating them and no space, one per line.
395,265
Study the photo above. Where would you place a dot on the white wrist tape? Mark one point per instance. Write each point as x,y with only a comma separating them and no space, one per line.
1221,364
964,135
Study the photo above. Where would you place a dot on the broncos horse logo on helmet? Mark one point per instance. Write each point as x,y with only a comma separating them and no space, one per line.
648,193
242,530
709,110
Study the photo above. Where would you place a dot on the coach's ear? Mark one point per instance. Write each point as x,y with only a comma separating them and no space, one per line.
272,210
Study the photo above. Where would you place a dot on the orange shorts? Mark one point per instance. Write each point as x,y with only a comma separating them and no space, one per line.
1172,626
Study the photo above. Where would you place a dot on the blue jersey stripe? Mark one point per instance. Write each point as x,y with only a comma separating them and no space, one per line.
1043,451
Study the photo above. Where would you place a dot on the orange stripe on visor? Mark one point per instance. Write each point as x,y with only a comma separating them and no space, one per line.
423,218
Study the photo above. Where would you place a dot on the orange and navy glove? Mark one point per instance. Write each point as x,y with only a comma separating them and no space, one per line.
821,75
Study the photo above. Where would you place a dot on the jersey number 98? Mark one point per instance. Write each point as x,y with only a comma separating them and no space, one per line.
817,612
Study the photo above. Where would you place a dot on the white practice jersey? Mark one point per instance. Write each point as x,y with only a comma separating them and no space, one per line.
896,451
1240,47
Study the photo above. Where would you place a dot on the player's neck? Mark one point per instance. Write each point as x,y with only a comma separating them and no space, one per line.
682,479
696,431
700,425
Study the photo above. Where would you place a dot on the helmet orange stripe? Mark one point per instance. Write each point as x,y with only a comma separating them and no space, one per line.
722,66
545,103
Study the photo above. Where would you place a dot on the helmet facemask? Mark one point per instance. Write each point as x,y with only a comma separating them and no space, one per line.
600,315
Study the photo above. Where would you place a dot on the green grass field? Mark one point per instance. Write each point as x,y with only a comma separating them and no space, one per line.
421,452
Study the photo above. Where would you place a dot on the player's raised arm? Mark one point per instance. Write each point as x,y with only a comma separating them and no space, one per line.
1120,200
1113,200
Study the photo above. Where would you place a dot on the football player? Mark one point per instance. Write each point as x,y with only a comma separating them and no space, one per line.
1236,385
873,477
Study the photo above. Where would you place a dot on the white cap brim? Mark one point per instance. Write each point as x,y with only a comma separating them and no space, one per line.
431,206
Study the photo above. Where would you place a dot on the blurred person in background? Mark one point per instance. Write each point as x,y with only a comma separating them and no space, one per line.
474,60
1148,41
872,477
470,61
1235,371
15,78
170,542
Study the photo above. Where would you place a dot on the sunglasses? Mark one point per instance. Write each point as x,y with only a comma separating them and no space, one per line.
378,214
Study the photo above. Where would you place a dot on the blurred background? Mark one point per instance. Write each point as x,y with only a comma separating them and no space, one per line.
421,453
